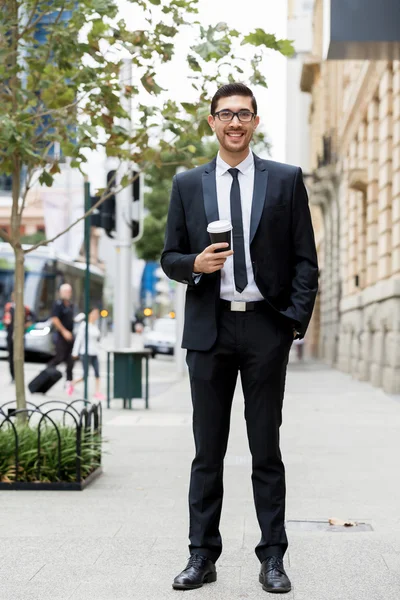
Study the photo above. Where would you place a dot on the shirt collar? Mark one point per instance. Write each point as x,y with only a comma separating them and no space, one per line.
244,166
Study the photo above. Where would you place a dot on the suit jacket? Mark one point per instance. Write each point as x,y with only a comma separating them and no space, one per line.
282,247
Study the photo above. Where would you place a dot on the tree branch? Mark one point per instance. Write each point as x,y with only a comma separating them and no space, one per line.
87,214
5,236
52,111
26,190
37,81
31,25
42,133
33,12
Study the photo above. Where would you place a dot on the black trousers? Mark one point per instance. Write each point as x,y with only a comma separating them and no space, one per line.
63,354
257,346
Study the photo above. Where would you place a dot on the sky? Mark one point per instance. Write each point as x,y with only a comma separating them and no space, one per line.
245,17
271,15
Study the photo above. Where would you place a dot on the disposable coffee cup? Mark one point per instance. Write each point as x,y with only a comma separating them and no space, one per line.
220,231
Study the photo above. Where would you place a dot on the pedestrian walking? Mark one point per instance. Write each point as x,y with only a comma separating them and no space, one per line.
79,349
63,321
8,322
244,307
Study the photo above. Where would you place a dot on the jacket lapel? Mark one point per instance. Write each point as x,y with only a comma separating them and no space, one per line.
210,192
259,194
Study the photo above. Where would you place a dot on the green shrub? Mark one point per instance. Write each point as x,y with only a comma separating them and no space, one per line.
28,460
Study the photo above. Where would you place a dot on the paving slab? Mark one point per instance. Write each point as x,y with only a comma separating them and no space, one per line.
125,536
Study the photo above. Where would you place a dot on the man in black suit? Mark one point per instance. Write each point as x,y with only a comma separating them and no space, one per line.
243,309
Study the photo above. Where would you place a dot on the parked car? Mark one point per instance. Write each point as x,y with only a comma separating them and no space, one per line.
162,338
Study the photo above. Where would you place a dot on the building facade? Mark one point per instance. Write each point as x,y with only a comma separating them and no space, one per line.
299,29
297,151
354,181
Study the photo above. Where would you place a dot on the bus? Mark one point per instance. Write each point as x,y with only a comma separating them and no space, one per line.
45,271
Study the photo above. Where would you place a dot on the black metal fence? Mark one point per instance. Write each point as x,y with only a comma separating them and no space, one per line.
81,424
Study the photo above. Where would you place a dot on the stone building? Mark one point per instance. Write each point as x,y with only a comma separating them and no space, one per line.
354,179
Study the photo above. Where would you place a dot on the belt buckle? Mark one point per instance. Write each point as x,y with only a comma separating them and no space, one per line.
238,306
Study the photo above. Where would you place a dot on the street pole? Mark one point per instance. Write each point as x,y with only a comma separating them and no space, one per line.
87,286
180,294
123,291
180,363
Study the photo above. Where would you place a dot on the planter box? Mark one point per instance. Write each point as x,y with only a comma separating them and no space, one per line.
60,486
35,450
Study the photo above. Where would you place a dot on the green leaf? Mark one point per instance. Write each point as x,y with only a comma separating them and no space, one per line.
190,108
150,85
193,64
99,27
125,180
204,128
260,38
286,47
46,179
167,30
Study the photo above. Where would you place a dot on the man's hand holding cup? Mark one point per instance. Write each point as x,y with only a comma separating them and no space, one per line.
213,258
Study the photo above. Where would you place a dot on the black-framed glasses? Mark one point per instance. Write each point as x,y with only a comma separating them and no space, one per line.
244,116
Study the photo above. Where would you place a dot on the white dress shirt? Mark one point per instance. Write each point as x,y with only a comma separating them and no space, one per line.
251,293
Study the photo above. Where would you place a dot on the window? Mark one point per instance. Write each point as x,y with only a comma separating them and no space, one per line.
5,183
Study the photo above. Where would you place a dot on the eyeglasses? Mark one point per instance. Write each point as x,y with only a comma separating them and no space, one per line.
244,116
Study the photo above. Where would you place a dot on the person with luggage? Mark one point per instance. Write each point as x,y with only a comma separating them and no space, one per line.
63,321
8,322
79,348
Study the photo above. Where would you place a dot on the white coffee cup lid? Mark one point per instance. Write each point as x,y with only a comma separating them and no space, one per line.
219,226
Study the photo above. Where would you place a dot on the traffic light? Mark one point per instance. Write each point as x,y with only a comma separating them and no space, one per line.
95,217
136,190
107,209
105,216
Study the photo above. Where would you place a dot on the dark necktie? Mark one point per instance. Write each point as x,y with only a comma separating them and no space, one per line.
239,260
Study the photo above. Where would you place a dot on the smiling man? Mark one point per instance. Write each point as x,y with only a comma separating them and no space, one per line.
244,307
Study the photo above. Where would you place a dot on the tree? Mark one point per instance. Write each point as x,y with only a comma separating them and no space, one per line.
65,91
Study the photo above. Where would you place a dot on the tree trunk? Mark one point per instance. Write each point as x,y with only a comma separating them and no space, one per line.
19,328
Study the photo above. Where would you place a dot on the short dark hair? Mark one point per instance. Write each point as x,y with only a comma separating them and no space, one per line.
233,89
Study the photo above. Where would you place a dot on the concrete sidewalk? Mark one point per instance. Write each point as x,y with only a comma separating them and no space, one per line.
126,535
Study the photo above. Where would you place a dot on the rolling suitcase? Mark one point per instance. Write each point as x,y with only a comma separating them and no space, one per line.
44,381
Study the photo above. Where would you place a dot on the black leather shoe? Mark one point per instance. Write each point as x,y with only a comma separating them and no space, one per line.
273,576
199,570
